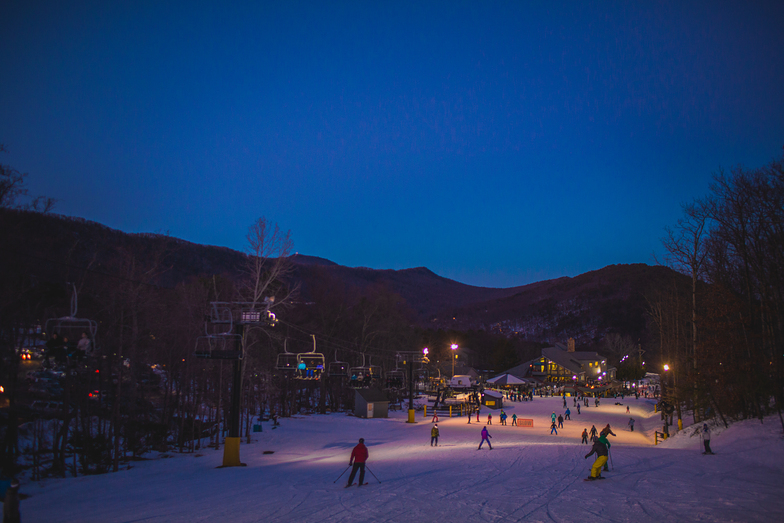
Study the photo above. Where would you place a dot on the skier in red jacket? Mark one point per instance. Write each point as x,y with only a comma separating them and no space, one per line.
358,458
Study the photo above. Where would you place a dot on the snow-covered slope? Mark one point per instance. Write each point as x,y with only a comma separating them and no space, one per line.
529,475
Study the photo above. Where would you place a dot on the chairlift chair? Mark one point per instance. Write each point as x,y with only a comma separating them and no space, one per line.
70,328
286,360
338,369
310,365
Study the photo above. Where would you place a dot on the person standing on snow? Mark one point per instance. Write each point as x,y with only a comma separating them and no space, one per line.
578,409
552,417
593,432
358,458
560,422
553,428
601,451
485,437
514,420
585,436
434,435
631,424
706,436
568,414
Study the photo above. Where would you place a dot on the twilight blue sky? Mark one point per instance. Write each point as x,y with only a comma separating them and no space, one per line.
496,143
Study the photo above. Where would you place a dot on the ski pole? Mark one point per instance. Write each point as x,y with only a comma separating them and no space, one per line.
368,469
341,474
611,462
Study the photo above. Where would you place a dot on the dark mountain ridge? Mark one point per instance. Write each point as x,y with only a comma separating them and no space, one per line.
585,307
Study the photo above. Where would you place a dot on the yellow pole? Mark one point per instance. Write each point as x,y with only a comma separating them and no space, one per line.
411,416
680,424
425,410
231,452
655,438
450,411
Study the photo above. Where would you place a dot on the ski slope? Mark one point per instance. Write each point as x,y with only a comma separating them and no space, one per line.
529,475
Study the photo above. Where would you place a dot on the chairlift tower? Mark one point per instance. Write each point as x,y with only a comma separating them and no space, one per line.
411,357
231,319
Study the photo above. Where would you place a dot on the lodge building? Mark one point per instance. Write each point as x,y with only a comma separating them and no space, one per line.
561,365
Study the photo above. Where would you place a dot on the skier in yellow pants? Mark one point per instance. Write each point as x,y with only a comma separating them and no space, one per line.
600,449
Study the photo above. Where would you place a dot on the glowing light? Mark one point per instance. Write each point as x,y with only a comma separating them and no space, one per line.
426,351
454,346
666,367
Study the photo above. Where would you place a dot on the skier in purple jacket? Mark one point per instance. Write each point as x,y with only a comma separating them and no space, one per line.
485,437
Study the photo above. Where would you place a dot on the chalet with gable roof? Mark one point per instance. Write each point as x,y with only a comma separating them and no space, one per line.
562,364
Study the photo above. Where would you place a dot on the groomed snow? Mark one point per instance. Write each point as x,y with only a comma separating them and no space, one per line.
529,475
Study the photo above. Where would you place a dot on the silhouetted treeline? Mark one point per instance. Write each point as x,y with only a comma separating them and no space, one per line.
722,332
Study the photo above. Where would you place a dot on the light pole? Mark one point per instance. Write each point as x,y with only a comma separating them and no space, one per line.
454,357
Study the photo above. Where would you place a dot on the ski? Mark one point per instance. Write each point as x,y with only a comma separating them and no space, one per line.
594,479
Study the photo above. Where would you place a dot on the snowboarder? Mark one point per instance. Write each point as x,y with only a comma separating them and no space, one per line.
568,414
593,431
514,420
560,422
631,424
490,419
601,451
485,437
358,458
585,436
553,428
434,435
706,436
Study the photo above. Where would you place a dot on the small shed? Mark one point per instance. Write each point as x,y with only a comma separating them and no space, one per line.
371,403
493,399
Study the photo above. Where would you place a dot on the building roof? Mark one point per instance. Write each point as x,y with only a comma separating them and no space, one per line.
372,395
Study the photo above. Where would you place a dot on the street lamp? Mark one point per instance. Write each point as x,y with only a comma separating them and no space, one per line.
453,347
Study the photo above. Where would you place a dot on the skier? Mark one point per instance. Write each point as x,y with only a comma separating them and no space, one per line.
593,432
477,413
564,398
601,451
631,424
485,437
502,417
706,436
435,415
596,401
490,419
514,420
434,435
607,430
585,436
568,414
552,417
627,409
578,408
560,422
553,428
358,458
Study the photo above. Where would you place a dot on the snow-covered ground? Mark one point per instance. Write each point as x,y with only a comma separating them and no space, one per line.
529,475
